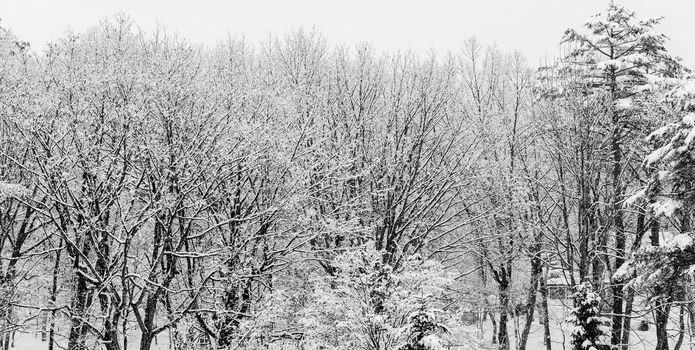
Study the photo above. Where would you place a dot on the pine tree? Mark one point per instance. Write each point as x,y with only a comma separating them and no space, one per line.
423,330
621,57
591,330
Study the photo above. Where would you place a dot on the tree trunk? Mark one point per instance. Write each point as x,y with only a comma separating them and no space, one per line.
147,324
546,318
531,299
618,318
54,297
663,307
78,310
494,327
110,337
630,298
503,332
681,328
44,325
625,340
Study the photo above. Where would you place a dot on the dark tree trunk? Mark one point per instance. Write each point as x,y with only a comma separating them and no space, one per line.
546,318
109,301
617,288
147,323
663,307
112,316
536,271
681,328
663,302
629,300
494,327
44,325
502,332
584,220
78,309
618,318
239,301
54,297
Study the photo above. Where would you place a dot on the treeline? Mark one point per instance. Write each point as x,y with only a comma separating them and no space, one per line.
256,196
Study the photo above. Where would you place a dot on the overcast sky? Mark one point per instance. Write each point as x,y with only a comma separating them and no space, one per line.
532,26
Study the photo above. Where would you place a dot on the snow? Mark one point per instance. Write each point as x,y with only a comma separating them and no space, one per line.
689,119
681,241
623,272
687,89
623,103
558,277
432,342
635,197
471,337
463,337
658,154
688,140
8,190
666,207
658,133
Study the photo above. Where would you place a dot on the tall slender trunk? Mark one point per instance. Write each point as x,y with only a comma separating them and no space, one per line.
616,150
566,224
536,271
502,331
583,220
681,328
663,303
44,325
663,307
597,248
54,297
629,300
494,327
7,279
546,318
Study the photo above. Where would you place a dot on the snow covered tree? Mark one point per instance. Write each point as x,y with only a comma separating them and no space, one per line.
247,196
23,245
620,56
591,330
423,331
663,268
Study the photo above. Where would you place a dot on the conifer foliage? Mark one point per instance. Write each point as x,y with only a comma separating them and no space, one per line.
591,331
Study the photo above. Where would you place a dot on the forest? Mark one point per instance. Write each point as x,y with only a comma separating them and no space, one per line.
293,194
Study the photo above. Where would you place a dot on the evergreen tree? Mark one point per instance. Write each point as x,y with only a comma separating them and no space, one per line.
591,330
621,57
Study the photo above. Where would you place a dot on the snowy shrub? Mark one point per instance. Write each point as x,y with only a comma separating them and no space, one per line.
591,331
8,190
368,305
423,332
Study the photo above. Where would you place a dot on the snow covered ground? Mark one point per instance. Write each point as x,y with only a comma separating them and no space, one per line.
32,341
471,338
463,338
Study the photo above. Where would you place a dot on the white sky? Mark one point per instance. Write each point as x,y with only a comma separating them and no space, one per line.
532,26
